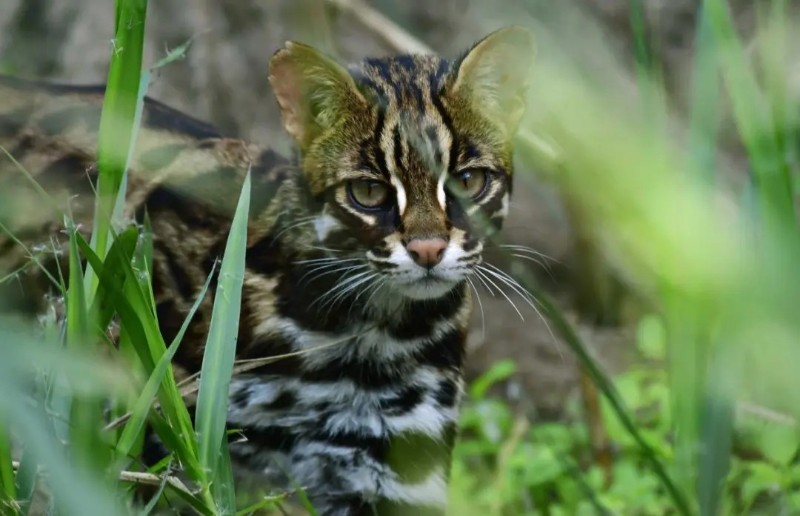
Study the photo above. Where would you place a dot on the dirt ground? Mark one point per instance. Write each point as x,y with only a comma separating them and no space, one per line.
224,80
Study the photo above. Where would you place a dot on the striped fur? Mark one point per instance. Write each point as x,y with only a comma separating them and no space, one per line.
362,409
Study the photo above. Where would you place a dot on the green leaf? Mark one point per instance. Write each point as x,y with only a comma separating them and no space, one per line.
779,443
761,478
497,373
540,465
651,338
220,351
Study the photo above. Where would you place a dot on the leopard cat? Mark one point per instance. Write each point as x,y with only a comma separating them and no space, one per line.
359,251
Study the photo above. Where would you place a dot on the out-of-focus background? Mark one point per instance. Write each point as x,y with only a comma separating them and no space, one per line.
224,80
656,178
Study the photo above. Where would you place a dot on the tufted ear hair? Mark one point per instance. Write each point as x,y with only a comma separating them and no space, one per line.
495,73
313,91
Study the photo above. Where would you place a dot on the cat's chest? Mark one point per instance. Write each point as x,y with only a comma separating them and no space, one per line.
347,390
368,374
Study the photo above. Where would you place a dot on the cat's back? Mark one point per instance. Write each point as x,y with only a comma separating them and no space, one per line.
182,169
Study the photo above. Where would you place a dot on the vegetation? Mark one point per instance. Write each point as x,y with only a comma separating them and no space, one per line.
705,424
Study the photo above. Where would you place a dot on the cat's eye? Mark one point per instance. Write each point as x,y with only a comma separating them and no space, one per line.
471,182
368,193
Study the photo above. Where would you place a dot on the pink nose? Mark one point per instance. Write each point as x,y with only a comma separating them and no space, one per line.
427,252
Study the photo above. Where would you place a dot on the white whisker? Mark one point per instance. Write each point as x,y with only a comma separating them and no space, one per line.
482,272
480,305
483,281
331,269
522,292
298,223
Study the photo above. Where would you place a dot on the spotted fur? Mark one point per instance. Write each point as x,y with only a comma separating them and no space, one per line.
362,410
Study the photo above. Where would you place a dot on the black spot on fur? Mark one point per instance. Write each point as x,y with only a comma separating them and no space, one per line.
269,438
161,116
177,273
447,353
285,400
366,374
447,393
420,317
404,401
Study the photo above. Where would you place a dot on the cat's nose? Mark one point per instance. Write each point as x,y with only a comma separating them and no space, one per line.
426,252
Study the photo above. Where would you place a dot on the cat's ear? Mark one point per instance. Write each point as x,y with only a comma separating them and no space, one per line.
312,90
494,75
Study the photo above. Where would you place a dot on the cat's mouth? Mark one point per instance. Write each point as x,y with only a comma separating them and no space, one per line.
428,286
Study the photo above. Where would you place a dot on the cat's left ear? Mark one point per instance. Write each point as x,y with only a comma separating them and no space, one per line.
494,75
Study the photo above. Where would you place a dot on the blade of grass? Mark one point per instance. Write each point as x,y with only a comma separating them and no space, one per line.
223,487
220,351
717,426
117,119
26,481
113,277
705,108
151,505
687,363
75,488
143,404
757,129
138,317
773,34
8,488
268,502
85,414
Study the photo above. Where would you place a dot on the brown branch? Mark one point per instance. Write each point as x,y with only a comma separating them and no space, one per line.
142,478
394,35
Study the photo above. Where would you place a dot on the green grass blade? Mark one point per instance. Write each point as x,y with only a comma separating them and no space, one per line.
137,315
268,502
756,126
705,108
85,415
113,277
717,427
26,481
223,488
175,441
77,315
212,401
117,120
8,488
142,406
75,487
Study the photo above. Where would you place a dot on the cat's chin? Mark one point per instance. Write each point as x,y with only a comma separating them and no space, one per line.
426,288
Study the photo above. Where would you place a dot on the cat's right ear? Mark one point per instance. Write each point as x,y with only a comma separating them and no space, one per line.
312,90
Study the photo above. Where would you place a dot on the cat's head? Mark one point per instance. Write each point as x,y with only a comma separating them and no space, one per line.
409,155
